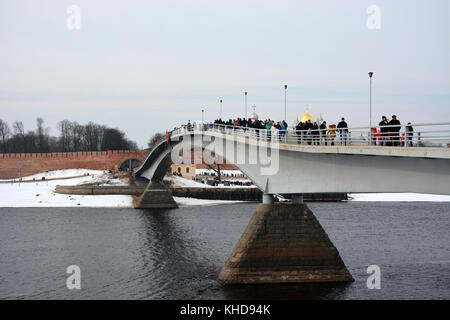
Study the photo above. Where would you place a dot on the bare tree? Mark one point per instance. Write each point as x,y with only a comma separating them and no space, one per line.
217,171
72,137
42,136
17,142
5,132
93,134
64,127
114,139
18,128
77,135
156,139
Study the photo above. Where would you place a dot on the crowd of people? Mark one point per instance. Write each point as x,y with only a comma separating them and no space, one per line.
319,133
389,133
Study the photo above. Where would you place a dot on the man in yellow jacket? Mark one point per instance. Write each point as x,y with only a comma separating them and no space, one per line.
332,133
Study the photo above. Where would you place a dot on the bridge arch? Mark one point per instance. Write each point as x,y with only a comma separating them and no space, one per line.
129,164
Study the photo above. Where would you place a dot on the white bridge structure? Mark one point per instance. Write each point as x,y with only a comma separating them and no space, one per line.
297,162
284,242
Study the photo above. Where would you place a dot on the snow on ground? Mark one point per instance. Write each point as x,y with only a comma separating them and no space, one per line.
398,197
177,181
59,174
97,177
41,192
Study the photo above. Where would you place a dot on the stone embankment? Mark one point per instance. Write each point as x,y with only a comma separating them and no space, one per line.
243,194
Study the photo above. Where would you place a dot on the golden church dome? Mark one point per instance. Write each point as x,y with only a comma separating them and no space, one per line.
307,117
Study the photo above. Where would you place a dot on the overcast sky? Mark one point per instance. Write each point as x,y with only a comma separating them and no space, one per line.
147,66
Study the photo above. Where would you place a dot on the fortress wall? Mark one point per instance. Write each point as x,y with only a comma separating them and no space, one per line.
33,163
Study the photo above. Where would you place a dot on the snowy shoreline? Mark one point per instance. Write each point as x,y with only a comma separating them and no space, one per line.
40,193
397,197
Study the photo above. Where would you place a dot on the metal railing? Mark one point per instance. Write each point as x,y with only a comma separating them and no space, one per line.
421,135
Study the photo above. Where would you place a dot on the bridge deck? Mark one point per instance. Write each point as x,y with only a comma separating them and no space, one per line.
415,152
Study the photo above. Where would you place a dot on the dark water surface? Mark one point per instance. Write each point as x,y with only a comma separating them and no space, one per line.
177,254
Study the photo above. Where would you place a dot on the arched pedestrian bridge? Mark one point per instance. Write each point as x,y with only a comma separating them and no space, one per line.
287,164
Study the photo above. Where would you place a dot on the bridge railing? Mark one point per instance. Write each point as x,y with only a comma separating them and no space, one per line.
410,135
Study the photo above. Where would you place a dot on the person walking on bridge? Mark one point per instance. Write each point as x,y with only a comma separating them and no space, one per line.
189,126
315,133
384,131
343,131
409,134
268,129
299,130
332,133
394,130
323,133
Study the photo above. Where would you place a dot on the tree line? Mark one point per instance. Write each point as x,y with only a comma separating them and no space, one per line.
73,137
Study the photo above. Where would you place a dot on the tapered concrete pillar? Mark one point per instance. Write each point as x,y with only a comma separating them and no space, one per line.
284,243
155,196
267,198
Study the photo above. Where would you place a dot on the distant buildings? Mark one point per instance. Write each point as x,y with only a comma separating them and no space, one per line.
229,174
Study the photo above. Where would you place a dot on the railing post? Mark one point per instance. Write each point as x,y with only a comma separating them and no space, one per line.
406,139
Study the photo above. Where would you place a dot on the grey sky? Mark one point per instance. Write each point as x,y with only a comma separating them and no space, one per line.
147,66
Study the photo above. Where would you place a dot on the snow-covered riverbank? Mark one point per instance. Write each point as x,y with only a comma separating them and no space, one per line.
398,197
40,193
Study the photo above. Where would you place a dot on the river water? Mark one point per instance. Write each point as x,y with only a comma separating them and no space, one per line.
177,254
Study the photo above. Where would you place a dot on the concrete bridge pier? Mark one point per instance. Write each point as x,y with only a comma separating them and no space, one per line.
267,198
284,243
155,196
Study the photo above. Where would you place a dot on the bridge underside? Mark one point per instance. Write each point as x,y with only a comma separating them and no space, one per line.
294,172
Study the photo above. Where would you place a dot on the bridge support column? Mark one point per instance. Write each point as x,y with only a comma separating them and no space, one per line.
267,198
284,243
155,196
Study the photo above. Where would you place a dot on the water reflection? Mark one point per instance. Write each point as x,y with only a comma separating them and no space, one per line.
173,251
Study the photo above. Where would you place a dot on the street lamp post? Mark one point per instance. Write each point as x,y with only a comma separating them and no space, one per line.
370,109
245,105
220,115
203,112
285,90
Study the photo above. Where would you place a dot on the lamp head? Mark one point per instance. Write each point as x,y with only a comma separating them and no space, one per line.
370,74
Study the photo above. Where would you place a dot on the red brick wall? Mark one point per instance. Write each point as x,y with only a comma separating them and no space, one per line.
32,163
